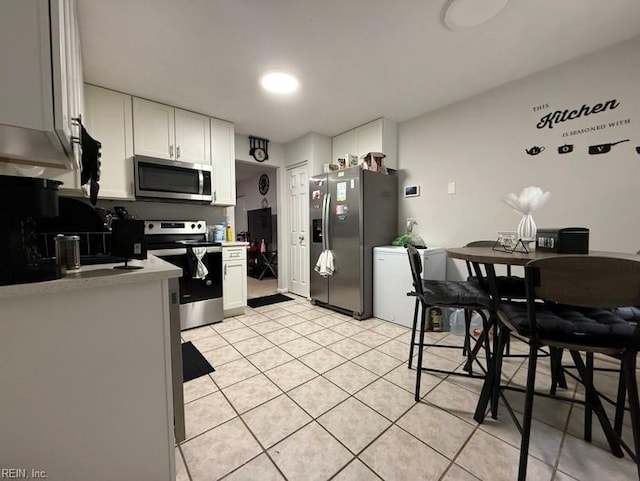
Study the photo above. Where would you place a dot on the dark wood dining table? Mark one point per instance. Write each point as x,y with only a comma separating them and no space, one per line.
488,258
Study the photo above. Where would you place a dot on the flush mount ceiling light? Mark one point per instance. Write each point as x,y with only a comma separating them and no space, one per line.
279,82
461,14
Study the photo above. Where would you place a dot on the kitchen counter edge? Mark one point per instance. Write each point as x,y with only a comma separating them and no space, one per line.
234,244
96,276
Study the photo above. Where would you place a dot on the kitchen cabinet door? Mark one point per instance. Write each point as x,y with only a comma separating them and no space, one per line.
224,162
343,144
39,89
234,280
193,140
153,129
370,138
381,135
109,120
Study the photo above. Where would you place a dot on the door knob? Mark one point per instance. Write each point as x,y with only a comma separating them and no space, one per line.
301,238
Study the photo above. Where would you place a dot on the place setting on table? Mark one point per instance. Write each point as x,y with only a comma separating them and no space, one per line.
570,299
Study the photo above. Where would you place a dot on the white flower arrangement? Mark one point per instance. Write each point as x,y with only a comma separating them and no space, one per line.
530,199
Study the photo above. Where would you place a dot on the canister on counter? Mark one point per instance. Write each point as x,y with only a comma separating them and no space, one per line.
68,251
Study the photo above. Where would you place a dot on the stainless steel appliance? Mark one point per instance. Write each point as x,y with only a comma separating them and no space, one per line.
184,244
169,179
351,212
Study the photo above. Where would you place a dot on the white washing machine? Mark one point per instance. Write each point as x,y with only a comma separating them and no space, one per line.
392,280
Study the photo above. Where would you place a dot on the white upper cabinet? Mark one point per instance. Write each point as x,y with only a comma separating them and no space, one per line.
154,129
224,162
169,133
193,143
41,82
381,135
343,144
109,120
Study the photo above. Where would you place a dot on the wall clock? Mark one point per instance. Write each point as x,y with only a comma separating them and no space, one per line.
263,184
258,148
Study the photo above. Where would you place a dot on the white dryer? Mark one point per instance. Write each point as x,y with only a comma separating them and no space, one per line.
392,280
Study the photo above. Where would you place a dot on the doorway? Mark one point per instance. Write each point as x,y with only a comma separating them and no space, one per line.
256,215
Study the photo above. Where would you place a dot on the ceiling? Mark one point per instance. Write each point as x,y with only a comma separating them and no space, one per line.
356,60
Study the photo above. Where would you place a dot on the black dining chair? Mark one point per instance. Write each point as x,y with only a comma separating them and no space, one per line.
455,294
570,302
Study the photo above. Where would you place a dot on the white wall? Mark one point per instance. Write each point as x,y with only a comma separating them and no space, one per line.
480,145
248,197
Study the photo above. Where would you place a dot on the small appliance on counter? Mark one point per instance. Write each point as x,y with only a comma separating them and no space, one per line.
567,240
23,202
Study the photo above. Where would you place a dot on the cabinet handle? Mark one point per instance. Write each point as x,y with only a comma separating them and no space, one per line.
171,151
178,152
225,271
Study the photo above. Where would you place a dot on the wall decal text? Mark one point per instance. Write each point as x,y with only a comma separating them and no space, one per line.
594,128
563,115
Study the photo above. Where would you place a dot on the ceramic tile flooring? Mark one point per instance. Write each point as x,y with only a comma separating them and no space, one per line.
304,393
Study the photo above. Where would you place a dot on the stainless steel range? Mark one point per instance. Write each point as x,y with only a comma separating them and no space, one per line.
184,244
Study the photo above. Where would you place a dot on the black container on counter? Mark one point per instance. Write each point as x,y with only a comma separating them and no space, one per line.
566,240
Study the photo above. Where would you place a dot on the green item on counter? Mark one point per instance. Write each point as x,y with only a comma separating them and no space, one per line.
402,240
405,239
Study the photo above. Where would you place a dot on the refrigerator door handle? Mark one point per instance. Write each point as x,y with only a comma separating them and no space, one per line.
327,211
324,225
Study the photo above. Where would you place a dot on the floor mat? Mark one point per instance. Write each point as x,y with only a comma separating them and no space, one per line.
266,300
194,364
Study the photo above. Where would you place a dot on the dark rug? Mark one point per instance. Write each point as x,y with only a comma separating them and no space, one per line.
194,364
266,300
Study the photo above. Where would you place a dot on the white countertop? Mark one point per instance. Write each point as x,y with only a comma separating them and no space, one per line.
234,244
102,275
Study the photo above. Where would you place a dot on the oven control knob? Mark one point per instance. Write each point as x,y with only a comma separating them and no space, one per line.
150,226
193,226
208,282
199,226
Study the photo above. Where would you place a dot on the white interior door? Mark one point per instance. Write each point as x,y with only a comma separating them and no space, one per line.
297,179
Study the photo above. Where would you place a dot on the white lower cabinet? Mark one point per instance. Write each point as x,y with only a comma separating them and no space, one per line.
234,279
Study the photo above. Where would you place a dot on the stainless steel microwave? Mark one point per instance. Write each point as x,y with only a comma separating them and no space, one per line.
170,179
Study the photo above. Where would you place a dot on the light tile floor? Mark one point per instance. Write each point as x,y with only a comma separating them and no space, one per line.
304,393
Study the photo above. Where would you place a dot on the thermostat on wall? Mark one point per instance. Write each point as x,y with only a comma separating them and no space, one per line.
411,190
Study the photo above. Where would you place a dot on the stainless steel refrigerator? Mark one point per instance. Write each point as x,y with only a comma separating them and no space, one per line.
351,211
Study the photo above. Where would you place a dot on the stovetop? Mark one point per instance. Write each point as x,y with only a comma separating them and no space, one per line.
168,234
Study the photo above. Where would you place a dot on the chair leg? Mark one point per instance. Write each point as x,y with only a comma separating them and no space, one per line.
467,340
413,331
629,370
528,412
588,410
555,356
491,383
593,399
503,337
620,401
423,328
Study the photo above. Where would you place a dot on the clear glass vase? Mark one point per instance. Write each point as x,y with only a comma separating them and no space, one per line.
526,229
